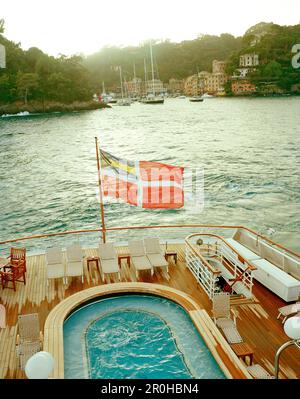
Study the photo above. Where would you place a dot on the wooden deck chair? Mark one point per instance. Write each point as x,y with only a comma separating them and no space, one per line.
12,274
288,310
154,253
108,260
55,264
2,316
222,317
17,255
258,372
74,262
138,256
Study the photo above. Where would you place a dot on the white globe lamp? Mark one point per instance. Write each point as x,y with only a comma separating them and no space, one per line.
39,366
292,327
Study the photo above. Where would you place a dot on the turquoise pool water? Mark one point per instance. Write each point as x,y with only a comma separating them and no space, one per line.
135,336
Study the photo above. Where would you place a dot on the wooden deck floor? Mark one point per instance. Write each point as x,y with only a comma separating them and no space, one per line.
256,320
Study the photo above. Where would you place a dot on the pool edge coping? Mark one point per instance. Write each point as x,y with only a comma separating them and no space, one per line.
229,363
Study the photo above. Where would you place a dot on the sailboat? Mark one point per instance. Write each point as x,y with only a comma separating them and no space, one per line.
151,98
106,98
197,98
122,101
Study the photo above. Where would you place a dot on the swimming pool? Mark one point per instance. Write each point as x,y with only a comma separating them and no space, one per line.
135,336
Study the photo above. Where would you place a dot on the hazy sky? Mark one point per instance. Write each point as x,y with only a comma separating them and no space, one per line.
72,26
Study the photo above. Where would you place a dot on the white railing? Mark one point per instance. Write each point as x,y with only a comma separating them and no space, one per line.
216,248
204,273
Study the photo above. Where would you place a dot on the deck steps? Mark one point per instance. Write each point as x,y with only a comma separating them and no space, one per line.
238,286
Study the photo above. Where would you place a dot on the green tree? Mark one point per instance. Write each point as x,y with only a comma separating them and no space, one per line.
5,88
273,70
27,83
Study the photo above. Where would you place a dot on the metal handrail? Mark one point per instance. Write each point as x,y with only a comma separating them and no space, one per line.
251,267
203,260
294,253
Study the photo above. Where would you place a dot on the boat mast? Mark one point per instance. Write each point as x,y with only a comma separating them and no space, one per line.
134,78
120,69
100,190
152,68
145,69
126,92
197,94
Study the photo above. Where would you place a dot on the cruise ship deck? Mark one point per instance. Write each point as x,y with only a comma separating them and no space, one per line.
256,317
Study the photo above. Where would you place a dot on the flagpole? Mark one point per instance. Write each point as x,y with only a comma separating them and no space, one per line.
100,192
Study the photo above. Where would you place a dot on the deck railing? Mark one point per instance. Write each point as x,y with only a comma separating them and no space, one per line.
225,230
205,274
222,251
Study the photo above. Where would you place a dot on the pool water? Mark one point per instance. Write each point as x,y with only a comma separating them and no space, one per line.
135,336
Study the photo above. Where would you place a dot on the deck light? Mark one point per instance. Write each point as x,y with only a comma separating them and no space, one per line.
292,330
39,366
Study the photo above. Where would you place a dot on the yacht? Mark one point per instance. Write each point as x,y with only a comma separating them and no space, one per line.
209,265
152,98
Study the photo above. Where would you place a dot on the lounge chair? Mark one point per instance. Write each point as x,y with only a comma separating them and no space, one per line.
29,338
288,310
2,316
74,262
25,350
54,264
154,253
108,260
222,317
139,258
258,372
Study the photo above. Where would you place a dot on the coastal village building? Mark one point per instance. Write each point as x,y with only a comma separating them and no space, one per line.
2,56
249,60
175,86
207,82
240,84
134,87
247,63
242,87
190,85
218,66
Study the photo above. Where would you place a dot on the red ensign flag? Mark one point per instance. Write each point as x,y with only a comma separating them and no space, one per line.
146,184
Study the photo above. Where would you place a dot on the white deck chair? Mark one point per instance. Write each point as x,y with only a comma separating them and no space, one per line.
138,256
2,316
29,338
29,328
258,372
74,262
154,253
54,264
222,317
288,310
108,260
25,350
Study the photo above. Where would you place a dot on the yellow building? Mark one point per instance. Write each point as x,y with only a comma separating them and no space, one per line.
175,86
190,86
207,82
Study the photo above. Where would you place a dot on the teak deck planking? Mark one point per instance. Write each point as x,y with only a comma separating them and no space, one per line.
256,321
